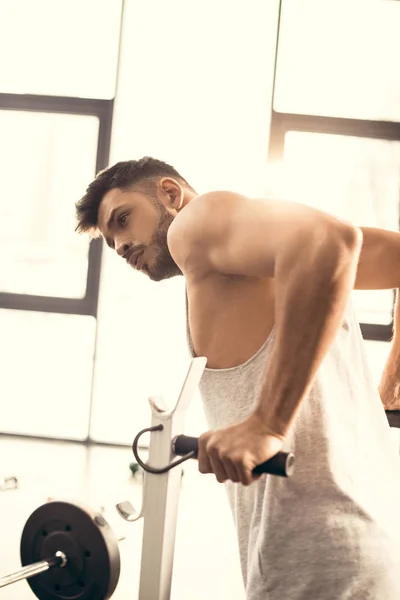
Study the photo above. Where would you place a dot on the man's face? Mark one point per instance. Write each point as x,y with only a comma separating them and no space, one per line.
133,225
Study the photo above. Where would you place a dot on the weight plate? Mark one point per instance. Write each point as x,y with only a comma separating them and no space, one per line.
93,566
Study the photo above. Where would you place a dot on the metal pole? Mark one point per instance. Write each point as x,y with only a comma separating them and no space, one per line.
59,560
161,492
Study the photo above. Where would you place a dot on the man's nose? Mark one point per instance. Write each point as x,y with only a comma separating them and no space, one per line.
122,248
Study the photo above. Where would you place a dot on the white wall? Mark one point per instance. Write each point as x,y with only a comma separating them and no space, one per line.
340,59
65,48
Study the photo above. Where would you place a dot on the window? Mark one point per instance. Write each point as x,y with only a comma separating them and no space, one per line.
357,179
62,48
49,160
339,59
46,373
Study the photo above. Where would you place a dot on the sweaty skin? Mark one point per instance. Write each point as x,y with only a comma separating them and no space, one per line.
250,265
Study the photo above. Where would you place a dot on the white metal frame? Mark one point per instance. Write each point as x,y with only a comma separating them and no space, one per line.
161,491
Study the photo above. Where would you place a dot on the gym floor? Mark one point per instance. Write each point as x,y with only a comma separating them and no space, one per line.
206,557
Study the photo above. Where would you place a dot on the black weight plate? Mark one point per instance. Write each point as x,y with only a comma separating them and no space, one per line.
93,566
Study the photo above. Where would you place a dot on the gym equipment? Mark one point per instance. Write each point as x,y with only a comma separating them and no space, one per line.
59,560
183,445
69,552
73,548
281,464
393,417
162,482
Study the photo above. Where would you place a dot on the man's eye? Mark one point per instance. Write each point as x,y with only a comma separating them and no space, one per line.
122,219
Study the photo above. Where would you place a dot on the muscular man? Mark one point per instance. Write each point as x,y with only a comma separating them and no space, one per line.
268,296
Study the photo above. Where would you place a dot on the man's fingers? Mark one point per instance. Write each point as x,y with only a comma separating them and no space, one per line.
247,477
232,471
223,466
202,456
213,459
218,468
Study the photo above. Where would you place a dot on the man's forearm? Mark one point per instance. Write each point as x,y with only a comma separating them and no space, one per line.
389,386
311,299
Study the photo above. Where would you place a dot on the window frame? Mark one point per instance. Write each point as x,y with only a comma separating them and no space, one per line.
103,110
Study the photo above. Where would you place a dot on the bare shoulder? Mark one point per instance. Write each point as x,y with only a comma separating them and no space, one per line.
211,210
203,220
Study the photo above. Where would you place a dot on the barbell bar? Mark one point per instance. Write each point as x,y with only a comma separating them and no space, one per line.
58,560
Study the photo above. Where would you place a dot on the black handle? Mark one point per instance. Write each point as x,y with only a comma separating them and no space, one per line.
281,464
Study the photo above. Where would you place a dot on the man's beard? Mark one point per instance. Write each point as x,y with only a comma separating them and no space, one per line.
164,265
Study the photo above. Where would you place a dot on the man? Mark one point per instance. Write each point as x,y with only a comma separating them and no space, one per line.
268,295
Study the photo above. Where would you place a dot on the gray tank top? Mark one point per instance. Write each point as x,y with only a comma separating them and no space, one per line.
332,530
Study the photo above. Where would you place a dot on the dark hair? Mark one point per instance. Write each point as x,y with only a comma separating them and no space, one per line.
141,174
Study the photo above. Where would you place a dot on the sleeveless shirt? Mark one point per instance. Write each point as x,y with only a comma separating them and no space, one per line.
331,531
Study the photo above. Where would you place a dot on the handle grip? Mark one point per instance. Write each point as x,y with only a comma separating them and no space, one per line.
281,464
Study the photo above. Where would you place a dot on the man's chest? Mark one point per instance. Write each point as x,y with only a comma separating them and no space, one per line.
229,318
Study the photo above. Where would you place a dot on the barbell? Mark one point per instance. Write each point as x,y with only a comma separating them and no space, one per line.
69,551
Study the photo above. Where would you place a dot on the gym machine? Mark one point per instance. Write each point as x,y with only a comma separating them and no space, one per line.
69,551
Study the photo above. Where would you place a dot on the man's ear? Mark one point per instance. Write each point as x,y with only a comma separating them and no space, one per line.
172,192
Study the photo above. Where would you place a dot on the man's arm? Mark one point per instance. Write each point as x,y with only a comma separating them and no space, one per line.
389,385
379,263
379,268
313,258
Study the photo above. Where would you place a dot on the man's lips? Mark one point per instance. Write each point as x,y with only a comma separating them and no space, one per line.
134,258
139,262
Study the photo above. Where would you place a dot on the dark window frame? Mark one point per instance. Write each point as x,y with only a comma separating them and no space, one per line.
103,110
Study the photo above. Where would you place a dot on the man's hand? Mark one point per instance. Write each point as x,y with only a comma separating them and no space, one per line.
233,452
